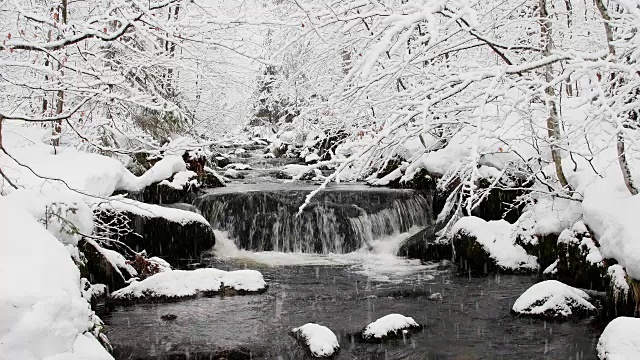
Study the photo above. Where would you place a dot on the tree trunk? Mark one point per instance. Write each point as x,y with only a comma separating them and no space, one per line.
57,125
622,157
553,122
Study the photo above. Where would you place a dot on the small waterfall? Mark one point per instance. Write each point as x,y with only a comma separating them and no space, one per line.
336,221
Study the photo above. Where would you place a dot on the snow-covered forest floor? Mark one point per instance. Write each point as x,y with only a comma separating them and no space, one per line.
143,143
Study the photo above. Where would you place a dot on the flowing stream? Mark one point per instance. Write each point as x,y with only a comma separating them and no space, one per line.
336,265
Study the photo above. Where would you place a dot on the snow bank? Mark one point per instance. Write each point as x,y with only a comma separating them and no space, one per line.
553,299
497,237
322,342
388,326
619,340
153,211
42,312
89,173
182,283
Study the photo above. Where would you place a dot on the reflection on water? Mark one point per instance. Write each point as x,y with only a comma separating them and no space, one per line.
472,321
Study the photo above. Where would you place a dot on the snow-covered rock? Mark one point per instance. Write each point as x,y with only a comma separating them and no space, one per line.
181,180
167,232
238,166
388,327
486,246
553,299
177,284
620,340
320,340
300,172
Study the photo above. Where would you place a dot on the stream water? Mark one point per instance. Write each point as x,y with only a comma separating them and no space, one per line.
337,266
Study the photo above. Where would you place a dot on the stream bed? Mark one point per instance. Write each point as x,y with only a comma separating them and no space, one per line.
472,320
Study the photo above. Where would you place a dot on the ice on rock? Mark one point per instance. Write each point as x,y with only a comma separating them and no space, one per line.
389,326
619,340
177,284
553,299
322,342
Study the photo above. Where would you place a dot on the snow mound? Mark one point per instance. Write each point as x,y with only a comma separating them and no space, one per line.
177,284
322,342
496,237
619,340
388,326
42,311
553,299
313,157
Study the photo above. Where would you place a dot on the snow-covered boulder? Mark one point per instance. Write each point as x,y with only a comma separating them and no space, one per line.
238,166
167,232
483,247
180,284
580,262
620,340
320,340
554,300
299,172
105,266
390,327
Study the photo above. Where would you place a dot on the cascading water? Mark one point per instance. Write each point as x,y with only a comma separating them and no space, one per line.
338,220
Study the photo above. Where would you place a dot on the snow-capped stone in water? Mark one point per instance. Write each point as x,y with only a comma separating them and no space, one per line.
553,299
388,327
322,342
240,151
176,284
238,166
435,296
619,340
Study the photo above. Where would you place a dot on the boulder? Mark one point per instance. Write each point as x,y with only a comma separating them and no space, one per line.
484,247
166,232
580,262
620,299
553,300
426,246
101,268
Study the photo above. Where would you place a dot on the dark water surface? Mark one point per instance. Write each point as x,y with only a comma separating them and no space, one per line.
472,321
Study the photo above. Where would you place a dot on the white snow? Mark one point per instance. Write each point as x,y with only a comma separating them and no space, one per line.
117,261
42,311
553,298
153,211
620,340
181,179
388,324
497,237
322,342
185,283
